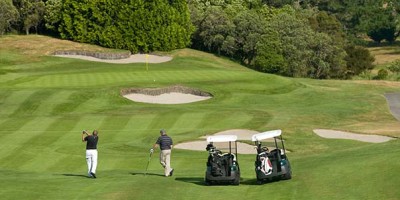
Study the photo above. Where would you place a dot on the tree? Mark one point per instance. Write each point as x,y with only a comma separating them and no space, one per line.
139,26
214,29
279,3
52,14
295,36
358,60
327,60
307,53
31,13
323,22
381,25
249,27
269,57
328,45
8,15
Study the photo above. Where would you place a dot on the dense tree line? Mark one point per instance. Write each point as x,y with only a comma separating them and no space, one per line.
288,40
136,25
297,38
139,26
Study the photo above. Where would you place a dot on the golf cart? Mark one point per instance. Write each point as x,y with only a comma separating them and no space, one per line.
222,166
271,164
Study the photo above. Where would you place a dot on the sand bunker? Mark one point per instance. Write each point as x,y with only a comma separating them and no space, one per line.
242,134
136,58
243,148
168,98
351,136
169,95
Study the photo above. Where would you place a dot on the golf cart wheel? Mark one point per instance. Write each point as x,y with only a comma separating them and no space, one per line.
236,181
207,182
287,176
259,181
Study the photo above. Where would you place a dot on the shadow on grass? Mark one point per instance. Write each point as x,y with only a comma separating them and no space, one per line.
200,181
146,174
254,182
76,175
248,182
193,180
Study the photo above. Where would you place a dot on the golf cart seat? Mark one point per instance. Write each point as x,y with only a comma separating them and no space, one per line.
263,149
229,156
276,152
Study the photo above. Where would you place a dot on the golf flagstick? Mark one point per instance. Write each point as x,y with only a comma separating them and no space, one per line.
148,162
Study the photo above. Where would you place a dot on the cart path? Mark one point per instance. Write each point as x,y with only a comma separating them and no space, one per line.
393,100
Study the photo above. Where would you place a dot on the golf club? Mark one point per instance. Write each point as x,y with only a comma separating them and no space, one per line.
148,162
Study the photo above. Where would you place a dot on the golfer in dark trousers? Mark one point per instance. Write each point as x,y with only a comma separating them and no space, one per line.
165,143
91,151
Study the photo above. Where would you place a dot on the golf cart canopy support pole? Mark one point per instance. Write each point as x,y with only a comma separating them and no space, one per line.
283,146
230,148
236,150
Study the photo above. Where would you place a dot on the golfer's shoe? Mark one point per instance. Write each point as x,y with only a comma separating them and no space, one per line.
93,174
171,172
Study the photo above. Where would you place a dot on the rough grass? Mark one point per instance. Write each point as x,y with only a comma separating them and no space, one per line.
46,102
37,45
385,54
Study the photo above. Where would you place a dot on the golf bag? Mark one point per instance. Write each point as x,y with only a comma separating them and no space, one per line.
220,163
264,164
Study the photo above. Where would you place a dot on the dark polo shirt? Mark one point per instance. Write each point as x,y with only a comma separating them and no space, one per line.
165,142
91,141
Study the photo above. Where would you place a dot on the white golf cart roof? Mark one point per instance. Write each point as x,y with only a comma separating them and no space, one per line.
221,138
266,135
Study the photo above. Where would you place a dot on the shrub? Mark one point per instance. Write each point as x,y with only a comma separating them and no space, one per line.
382,74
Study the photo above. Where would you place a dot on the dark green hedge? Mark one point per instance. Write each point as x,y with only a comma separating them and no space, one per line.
136,25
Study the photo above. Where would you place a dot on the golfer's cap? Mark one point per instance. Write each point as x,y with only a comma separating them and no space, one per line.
163,131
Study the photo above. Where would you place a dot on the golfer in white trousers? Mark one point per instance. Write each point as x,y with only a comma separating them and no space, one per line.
91,151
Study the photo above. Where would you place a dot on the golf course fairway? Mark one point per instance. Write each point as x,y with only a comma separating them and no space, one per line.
46,102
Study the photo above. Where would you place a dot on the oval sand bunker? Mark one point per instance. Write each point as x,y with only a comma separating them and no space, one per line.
351,136
169,95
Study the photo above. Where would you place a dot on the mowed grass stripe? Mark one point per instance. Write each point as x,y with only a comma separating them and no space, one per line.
14,153
114,126
188,126
138,131
91,105
164,120
32,103
47,105
116,78
10,126
13,101
70,102
46,142
217,121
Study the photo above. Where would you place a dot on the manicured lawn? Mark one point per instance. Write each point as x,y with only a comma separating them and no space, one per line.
46,101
